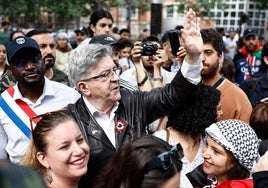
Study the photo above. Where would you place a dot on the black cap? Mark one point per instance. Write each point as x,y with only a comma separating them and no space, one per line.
15,46
82,30
106,39
249,32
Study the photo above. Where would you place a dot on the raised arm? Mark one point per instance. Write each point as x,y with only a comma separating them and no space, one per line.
191,36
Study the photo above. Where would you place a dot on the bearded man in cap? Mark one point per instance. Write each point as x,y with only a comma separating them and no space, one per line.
247,61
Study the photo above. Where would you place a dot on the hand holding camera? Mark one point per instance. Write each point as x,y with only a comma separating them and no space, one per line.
136,52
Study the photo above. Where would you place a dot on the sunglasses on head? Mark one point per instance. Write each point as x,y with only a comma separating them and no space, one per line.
37,118
164,160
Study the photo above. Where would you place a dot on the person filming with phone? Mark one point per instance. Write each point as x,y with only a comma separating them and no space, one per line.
172,43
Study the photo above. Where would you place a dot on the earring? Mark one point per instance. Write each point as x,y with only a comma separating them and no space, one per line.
49,178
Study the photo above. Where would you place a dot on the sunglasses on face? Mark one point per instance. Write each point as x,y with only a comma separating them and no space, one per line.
164,160
20,63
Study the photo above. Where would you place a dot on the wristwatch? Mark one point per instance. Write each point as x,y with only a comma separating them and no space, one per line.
158,79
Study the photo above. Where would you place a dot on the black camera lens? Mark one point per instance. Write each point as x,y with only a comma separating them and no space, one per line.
149,48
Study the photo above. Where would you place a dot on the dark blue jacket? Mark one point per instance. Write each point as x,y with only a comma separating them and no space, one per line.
256,88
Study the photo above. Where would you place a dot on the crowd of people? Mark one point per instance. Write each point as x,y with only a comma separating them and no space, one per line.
106,111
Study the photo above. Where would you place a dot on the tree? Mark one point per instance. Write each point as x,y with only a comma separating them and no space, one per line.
202,7
261,4
26,13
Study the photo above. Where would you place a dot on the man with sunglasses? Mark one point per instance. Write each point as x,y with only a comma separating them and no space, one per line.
47,47
109,116
32,95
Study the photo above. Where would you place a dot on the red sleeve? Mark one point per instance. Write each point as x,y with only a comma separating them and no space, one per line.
246,183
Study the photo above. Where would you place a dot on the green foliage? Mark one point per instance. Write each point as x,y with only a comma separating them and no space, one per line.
64,10
261,4
202,7
142,5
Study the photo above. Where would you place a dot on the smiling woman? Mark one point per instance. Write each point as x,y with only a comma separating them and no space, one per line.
58,150
230,152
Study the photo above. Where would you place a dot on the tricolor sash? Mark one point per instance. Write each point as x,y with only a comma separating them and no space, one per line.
18,111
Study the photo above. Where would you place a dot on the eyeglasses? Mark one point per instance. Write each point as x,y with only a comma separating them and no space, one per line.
105,75
22,62
37,118
164,160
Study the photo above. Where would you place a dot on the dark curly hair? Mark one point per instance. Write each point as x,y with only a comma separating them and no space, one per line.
199,113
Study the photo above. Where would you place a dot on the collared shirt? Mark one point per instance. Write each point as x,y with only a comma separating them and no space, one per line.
107,123
55,96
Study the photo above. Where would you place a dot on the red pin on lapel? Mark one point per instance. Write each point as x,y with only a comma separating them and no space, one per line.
120,126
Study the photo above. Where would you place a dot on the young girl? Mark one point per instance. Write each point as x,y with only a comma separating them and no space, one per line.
230,152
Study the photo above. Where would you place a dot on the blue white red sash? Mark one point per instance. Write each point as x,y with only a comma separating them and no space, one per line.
17,110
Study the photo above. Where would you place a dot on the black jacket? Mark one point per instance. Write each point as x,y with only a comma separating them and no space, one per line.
260,179
136,109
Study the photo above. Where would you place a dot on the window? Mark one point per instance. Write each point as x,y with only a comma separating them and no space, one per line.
257,14
233,14
241,6
251,6
170,10
134,13
218,14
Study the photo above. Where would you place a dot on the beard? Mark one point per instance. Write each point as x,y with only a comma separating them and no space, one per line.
210,70
49,60
49,64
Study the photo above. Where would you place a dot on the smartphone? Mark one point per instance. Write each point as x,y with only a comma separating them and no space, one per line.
174,42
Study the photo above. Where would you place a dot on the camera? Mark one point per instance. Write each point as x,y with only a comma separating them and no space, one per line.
149,48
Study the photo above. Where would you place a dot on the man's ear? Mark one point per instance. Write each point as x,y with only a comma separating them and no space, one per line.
221,59
92,27
41,157
265,59
83,88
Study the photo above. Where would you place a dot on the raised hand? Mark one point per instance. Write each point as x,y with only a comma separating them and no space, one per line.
191,36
